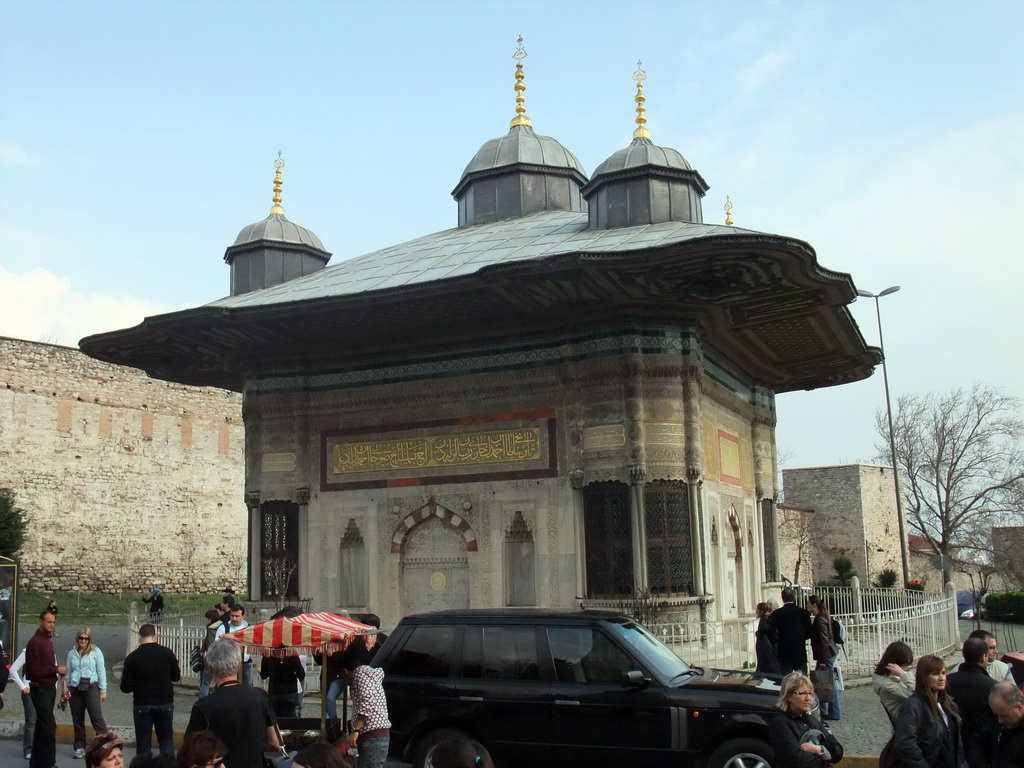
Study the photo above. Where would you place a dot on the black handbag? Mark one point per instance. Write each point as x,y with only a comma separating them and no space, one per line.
824,685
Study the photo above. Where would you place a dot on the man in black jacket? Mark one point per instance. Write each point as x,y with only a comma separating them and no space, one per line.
970,686
149,674
794,627
1005,749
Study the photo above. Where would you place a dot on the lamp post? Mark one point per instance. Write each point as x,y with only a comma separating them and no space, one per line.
892,434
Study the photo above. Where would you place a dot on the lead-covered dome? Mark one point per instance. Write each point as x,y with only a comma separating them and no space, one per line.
644,183
518,174
277,228
274,250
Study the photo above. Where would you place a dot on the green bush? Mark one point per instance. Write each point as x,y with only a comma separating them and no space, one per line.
887,579
1010,604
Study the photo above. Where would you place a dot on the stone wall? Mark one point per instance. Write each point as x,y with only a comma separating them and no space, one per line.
854,515
128,482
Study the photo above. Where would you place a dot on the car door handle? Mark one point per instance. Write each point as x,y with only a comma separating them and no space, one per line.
471,698
567,702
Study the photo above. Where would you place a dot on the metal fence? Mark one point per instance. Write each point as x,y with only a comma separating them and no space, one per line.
873,619
181,632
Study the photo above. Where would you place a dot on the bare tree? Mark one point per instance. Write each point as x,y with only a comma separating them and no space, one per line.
962,458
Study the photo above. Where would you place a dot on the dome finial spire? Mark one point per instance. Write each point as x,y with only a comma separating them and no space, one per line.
641,131
520,118
278,164
728,211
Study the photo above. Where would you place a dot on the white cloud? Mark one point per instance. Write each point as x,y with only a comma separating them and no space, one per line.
40,306
764,69
11,154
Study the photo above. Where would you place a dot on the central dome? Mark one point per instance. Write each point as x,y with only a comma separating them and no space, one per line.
521,145
518,174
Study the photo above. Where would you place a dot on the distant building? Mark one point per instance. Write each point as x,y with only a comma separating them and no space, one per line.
847,510
567,398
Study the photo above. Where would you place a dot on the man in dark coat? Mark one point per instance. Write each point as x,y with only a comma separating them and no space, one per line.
42,670
149,674
1005,748
793,625
970,686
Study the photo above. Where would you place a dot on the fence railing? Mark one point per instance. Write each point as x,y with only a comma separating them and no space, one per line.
183,632
873,619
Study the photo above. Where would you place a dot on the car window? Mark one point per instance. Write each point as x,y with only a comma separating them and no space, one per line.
428,652
501,653
654,652
587,655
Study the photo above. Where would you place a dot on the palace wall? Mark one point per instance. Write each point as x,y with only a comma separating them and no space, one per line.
129,482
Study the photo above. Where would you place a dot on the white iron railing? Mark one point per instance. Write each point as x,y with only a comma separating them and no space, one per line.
926,622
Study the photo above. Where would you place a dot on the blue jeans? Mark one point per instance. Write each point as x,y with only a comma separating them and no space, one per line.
205,681
149,717
30,723
373,752
334,691
832,711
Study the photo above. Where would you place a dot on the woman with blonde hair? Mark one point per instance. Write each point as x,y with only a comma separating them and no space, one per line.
927,731
87,684
799,738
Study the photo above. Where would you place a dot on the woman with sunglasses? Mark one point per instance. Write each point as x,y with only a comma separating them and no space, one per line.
202,749
87,683
799,738
104,751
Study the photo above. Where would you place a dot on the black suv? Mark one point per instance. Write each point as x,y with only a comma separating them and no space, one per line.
552,688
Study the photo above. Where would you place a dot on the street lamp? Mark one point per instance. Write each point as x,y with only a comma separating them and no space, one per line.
892,434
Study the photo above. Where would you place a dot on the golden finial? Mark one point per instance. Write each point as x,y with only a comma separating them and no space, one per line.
641,131
278,164
520,118
728,211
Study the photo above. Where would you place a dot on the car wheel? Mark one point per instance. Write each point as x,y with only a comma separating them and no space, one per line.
426,745
742,753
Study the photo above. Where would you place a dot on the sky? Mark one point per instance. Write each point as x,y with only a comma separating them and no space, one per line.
137,139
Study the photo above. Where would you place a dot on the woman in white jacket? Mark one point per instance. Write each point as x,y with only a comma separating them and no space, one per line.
893,682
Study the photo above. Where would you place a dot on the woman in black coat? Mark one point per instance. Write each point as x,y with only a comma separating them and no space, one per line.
767,640
799,738
927,731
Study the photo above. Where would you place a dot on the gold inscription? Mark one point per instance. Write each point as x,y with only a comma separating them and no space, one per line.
605,436
665,434
495,447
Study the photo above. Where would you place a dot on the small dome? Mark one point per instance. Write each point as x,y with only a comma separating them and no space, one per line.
522,145
276,228
643,152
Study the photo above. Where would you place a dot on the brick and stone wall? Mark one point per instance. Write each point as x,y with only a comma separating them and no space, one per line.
128,482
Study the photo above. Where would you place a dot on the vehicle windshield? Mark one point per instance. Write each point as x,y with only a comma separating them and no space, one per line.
654,652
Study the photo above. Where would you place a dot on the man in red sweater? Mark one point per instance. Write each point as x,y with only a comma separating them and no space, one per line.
42,670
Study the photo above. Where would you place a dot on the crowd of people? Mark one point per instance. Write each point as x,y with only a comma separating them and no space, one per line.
231,723
970,718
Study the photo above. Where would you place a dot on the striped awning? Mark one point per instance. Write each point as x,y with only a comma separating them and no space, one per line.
286,636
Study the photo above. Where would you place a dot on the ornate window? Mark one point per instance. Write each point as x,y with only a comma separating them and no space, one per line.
279,549
609,548
669,559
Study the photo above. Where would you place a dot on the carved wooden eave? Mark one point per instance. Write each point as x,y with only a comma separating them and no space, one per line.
761,302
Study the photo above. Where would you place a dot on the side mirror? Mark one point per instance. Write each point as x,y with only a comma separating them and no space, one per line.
634,678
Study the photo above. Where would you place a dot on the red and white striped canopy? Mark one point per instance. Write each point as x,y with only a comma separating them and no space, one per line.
292,636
